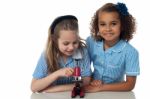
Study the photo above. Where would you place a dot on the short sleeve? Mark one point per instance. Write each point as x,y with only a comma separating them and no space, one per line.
41,68
86,68
132,63
89,46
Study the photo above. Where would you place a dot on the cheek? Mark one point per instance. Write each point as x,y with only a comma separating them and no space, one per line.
100,31
76,46
62,47
118,31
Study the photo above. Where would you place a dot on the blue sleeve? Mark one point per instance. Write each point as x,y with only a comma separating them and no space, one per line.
41,68
86,68
132,63
89,46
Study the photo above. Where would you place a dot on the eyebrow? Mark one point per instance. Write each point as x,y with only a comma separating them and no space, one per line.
111,21
69,41
115,21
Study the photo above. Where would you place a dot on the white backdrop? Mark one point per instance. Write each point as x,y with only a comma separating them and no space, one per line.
23,33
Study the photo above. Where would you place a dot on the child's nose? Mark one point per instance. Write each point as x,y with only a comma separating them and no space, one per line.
71,46
108,28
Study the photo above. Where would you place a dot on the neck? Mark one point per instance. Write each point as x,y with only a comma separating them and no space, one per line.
108,44
64,58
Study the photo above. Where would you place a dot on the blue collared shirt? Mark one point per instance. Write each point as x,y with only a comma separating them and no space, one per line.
41,68
112,64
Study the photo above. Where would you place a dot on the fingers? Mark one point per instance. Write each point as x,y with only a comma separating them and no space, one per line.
91,88
88,88
96,83
69,72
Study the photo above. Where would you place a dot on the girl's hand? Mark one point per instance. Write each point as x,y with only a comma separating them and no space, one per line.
91,88
96,83
65,72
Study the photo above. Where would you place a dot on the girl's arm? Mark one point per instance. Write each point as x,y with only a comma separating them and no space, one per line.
59,88
127,85
38,85
68,87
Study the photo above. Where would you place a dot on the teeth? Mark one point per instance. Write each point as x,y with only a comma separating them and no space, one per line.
109,34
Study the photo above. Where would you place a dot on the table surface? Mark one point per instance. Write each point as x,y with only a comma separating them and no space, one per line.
97,95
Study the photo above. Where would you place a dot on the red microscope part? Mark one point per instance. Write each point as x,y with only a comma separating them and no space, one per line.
78,89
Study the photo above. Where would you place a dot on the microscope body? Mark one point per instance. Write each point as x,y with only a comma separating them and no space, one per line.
78,89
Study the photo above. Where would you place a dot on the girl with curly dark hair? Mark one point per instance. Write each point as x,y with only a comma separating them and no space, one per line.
113,57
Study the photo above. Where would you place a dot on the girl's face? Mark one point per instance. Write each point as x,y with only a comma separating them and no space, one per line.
109,26
68,42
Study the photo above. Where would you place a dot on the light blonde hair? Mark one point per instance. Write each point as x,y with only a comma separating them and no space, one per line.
52,51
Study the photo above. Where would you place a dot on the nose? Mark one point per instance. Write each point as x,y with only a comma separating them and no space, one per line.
71,47
108,28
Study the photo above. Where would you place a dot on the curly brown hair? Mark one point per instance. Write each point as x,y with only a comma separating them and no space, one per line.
128,25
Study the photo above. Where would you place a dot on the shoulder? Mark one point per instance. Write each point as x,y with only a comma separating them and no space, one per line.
43,56
90,41
90,38
41,67
130,48
83,51
42,60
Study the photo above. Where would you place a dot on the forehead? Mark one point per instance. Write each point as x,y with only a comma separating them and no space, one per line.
108,16
68,35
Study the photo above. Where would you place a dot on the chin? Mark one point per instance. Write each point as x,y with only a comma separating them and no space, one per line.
109,39
68,54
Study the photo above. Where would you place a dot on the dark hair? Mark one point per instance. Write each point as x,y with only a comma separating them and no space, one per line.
126,19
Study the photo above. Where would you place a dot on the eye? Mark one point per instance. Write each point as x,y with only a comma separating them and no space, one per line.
66,43
114,23
76,42
102,24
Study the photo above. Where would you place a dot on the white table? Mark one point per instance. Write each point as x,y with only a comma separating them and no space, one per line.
98,95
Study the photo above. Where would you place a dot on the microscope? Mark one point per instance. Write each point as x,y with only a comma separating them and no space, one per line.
78,88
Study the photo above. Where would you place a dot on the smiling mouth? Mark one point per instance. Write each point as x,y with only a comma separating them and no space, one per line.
69,52
108,34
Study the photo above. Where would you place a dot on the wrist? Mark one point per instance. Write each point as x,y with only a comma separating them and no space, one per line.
56,74
102,87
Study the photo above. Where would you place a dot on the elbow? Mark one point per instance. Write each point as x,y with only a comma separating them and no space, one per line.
33,89
130,83
130,88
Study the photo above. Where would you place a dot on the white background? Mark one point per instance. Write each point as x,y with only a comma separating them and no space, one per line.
23,34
